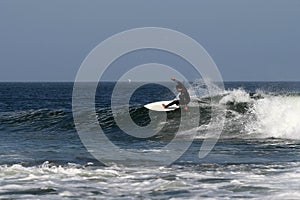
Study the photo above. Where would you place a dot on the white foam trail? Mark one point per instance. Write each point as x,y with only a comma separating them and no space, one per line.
207,181
236,95
200,89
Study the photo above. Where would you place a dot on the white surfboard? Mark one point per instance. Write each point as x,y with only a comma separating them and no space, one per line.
157,106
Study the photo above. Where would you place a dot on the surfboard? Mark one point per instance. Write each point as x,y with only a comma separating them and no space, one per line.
157,106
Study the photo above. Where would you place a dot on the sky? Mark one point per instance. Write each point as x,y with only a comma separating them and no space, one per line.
249,40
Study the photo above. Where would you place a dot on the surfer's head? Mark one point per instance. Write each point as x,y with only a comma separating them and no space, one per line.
179,88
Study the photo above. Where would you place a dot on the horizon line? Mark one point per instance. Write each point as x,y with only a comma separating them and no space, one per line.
67,81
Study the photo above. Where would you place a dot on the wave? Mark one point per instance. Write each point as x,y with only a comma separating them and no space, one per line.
275,116
248,115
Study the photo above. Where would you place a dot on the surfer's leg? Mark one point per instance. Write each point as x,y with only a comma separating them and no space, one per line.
172,103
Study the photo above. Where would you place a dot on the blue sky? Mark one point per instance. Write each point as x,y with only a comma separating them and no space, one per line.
249,40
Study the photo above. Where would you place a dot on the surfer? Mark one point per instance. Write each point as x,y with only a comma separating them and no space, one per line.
184,97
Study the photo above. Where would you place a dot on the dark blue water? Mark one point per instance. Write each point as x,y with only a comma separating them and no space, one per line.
42,155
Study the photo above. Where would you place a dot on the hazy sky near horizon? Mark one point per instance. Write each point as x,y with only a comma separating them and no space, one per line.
249,40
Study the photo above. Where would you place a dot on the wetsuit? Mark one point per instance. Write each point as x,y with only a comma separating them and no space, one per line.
184,97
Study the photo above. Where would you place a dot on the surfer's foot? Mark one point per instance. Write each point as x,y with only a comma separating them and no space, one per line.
163,105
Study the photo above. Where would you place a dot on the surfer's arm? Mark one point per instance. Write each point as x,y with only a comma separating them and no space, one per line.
178,82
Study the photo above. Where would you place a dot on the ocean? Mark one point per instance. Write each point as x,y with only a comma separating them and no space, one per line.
42,156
